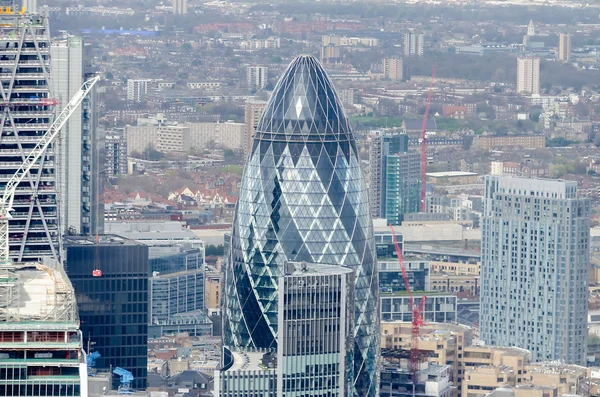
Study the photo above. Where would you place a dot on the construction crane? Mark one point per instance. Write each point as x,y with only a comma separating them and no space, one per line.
8,196
126,379
424,144
417,314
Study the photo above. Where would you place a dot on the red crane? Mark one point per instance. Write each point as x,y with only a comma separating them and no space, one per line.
424,144
417,313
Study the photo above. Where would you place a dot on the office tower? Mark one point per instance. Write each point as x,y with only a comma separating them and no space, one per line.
534,259
313,356
256,77
302,198
41,346
28,113
331,54
180,7
393,68
115,154
79,148
395,177
413,44
252,114
177,294
137,89
564,47
30,6
528,75
113,307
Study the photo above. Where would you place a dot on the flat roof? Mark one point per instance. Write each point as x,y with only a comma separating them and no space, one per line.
41,294
450,174
103,239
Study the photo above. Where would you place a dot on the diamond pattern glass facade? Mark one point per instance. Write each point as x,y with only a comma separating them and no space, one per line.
302,198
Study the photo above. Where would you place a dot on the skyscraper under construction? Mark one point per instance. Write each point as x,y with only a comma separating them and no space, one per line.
27,108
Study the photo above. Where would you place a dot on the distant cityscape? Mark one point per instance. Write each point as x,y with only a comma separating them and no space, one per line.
244,199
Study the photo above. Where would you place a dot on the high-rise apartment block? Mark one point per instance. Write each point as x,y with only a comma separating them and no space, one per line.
395,177
115,154
393,68
564,47
256,77
313,356
253,111
113,307
180,7
413,44
79,146
534,260
28,113
303,199
528,75
137,89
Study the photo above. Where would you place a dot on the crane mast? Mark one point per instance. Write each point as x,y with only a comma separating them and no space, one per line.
424,144
8,196
417,314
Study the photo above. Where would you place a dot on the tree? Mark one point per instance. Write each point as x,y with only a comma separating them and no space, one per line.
186,46
150,153
109,76
228,154
212,250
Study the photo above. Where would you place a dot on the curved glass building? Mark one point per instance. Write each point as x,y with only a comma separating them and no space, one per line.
302,198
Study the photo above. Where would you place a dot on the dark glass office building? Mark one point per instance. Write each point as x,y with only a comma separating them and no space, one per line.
113,308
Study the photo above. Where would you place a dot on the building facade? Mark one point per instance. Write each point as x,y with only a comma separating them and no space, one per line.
393,68
413,44
80,146
137,89
41,347
253,111
177,294
394,185
180,7
115,154
25,70
534,260
564,47
302,198
113,308
256,77
528,75
314,347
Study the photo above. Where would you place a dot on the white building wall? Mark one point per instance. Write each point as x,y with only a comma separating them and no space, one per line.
67,78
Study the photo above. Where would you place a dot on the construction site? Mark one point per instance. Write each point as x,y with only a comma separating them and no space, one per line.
41,352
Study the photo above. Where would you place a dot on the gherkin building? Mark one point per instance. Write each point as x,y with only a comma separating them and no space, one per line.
302,198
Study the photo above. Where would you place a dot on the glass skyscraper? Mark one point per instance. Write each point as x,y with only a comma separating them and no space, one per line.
534,261
302,199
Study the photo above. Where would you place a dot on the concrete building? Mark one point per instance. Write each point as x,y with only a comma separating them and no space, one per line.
393,68
34,227
432,380
413,44
256,77
138,88
174,139
213,291
564,47
180,7
534,261
80,146
491,142
41,345
252,113
528,75
226,135
115,154
314,347
440,307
